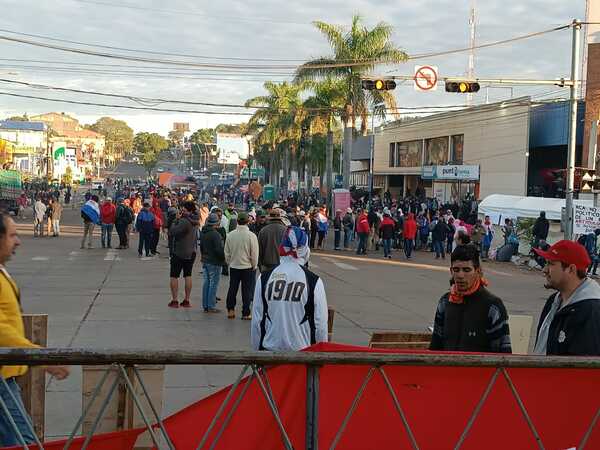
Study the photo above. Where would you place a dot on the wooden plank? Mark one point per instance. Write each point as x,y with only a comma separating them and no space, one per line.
88,357
33,383
121,413
330,317
399,336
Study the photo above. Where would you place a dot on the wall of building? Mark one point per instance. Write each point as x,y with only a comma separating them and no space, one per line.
496,138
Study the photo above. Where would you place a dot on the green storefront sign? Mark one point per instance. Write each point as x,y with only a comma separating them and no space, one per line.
253,173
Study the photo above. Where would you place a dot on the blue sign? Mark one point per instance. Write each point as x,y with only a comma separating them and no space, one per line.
339,182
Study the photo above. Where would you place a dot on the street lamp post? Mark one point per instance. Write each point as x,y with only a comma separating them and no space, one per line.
372,151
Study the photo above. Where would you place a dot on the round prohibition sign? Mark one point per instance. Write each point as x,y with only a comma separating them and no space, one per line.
426,78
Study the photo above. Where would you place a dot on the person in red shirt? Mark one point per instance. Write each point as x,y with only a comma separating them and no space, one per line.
158,222
409,232
386,233
362,229
108,212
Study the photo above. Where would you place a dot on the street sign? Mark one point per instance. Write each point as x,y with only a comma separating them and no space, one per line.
254,173
339,182
426,78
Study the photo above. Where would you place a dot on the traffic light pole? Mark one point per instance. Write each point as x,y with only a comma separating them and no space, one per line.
573,130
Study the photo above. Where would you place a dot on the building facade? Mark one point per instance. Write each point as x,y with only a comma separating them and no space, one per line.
478,151
87,145
24,146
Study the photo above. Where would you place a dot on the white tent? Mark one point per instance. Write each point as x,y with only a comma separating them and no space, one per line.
499,206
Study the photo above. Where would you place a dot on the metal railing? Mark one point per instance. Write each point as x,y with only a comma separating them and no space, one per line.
254,363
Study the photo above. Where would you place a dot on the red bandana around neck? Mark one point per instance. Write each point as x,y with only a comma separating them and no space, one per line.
459,297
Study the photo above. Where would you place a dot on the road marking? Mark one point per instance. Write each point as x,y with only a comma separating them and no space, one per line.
386,262
74,253
111,255
341,265
40,258
313,265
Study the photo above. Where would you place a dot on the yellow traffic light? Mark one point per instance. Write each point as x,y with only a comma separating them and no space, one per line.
462,87
379,85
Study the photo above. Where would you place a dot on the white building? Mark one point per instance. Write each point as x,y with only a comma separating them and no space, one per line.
28,144
480,150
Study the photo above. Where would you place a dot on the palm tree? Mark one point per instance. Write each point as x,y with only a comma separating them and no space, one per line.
356,52
322,109
278,119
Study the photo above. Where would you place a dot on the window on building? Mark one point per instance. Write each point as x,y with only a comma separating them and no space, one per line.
392,160
436,151
409,153
456,149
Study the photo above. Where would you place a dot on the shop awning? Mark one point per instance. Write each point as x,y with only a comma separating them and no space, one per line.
499,206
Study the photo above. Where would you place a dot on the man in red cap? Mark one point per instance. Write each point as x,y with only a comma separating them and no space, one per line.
570,320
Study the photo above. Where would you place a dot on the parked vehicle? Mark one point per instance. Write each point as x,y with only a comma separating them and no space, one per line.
11,187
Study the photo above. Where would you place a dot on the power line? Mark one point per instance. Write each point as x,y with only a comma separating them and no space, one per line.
254,67
191,13
150,52
198,103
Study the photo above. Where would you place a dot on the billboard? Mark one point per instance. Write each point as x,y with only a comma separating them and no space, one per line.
181,126
232,148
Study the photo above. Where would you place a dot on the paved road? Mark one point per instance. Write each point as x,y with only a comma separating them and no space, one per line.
110,299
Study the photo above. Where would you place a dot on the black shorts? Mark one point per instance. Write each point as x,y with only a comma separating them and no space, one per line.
185,265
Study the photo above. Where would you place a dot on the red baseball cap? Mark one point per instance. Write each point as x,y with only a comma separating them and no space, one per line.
568,252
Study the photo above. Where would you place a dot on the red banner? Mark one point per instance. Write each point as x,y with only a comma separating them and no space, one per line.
121,440
438,403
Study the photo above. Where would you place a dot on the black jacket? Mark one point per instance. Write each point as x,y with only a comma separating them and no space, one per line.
212,246
540,228
479,324
575,329
440,231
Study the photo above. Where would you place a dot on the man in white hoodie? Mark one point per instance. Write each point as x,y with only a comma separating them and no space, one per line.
290,306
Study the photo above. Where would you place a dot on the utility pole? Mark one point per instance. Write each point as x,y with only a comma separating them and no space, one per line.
575,66
471,70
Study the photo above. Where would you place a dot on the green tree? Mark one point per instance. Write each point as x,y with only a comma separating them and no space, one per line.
233,128
204,136
278,121
356,52
321,109
117,134
176,138
149,145
22,118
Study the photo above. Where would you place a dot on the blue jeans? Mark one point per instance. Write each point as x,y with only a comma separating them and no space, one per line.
337,237
362,243
106,236
8,437
387,247
211,275
347,237
438,248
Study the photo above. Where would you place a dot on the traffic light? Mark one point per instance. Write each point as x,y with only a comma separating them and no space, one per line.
378,85
462,87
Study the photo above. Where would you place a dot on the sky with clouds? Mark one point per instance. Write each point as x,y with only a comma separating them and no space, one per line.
251,29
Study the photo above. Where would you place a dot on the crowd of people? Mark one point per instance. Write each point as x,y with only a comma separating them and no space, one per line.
266,252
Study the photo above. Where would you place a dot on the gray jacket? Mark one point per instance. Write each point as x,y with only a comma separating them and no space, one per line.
183,237
269,240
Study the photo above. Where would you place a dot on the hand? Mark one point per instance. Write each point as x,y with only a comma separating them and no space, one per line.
58,372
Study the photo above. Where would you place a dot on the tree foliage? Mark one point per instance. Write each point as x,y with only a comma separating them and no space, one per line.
363,48
149,145
176,138
23,118
117,134
204,136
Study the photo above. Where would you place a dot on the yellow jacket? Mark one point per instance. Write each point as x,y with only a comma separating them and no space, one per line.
12,333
